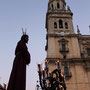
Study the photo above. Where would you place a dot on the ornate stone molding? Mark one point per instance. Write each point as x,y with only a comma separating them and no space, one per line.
71,60
59,35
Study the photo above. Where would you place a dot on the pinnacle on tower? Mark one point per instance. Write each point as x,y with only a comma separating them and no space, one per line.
78,31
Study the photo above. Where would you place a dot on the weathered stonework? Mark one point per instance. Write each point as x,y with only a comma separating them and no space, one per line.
73,50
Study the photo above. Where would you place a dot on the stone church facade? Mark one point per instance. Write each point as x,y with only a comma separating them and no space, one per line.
73,50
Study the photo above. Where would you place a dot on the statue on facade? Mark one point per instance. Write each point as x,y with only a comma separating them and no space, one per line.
78,31
68,8
17,79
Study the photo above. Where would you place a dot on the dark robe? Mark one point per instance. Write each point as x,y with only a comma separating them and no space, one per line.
17,79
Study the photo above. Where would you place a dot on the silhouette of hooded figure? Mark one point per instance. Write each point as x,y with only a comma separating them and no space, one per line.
17,79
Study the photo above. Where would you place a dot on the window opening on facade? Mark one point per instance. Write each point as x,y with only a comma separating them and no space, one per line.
52,6
55,25
60,24
63,47
66,25
66,70
88,51
63,6
58,6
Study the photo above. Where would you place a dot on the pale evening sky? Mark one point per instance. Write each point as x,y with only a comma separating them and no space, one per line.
31,14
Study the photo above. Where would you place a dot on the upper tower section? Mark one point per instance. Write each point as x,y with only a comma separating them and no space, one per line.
57,5
59,18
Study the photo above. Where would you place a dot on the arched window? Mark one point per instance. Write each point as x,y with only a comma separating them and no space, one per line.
55,25
66,25
58,6
60,24
66,70
63,7
52,6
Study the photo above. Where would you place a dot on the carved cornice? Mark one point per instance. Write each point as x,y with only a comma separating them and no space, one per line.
50,12
62,40
84,37
71,60
59,35
84,62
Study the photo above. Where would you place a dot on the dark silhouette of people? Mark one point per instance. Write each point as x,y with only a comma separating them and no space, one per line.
17,79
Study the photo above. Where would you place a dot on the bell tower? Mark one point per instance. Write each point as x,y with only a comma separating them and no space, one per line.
63,44
59,27
58,18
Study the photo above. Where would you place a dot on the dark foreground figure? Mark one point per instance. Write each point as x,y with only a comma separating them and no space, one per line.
17,79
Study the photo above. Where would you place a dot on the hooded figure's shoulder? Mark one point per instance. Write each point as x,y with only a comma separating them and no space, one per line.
21,42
